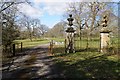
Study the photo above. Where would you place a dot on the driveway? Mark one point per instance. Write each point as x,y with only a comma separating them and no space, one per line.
35,64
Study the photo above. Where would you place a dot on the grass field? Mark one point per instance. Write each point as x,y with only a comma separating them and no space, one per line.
28,44
58,39
88,63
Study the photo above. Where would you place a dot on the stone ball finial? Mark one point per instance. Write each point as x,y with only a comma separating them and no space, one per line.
70,15
104,21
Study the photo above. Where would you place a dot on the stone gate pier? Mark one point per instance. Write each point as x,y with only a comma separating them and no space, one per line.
69,41
104,35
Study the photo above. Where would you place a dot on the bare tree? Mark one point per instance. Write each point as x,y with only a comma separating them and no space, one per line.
94,9
7,4
9,27
26,22
77,9
35,23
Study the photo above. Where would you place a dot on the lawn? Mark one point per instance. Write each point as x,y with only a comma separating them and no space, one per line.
28,44
58,39
88,63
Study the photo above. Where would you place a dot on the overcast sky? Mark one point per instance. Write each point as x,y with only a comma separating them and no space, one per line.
48,11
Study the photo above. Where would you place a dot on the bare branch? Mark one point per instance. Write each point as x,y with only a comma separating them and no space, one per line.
7,7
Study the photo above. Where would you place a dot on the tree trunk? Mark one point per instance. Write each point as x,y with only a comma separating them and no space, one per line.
80,35
30,37
92,26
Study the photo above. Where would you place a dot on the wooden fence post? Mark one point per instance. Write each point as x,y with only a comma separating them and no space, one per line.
10,48
65,46
21,46
51,48
13,49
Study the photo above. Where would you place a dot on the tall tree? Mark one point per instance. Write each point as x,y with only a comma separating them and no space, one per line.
9,27
77,9
34,24
26,22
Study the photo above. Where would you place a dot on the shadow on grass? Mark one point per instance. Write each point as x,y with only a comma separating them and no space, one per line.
90,68
97,67
59,52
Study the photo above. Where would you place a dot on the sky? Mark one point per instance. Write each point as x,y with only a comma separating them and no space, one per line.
49,12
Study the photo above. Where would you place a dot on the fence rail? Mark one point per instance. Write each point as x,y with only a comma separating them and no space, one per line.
12,49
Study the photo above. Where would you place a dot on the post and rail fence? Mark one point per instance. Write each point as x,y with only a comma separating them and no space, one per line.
13,49
16,46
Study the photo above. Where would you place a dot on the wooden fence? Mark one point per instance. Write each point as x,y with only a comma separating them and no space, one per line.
12,49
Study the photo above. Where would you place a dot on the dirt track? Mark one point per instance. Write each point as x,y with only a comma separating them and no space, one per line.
35,64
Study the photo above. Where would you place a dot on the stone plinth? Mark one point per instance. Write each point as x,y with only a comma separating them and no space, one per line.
105,39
